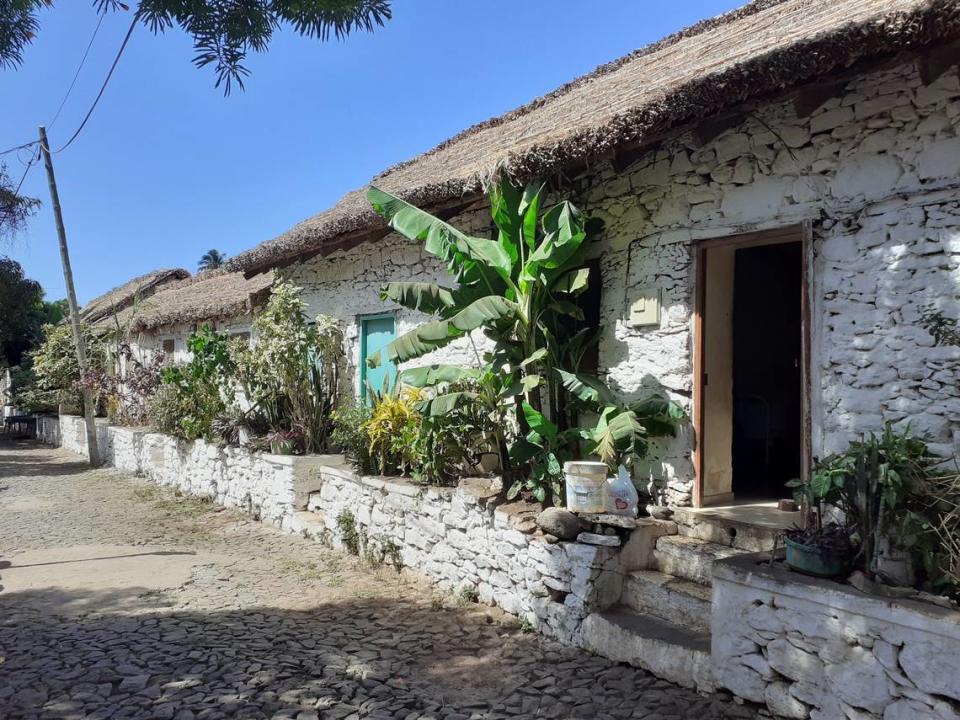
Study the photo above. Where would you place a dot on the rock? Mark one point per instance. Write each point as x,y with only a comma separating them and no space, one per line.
932,667
559,522
620,521
594,539
782,704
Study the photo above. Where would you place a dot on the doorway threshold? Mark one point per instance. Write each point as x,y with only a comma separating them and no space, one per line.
758,514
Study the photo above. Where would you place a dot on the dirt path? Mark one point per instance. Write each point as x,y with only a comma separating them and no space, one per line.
124,601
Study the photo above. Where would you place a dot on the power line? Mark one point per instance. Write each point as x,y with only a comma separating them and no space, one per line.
103,87
19,147
79,68
16,192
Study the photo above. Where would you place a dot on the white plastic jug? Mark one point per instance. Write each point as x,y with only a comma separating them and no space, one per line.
622,496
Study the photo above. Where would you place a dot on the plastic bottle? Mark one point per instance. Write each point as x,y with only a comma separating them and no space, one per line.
622,496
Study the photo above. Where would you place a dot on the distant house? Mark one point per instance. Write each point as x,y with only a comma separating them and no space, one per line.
130,293
222,300
780,193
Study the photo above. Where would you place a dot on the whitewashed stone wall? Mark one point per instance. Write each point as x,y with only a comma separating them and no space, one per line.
72,435
820,650
347,285
875,175
459,540
269,487
145,343
48,429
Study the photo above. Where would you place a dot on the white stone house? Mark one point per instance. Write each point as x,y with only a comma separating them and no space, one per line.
224,301
780,187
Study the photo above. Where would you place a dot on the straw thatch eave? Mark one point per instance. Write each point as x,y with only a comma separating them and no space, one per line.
212,296
114,301
759,51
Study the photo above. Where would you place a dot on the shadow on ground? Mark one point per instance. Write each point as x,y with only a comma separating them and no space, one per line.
361,658
16,461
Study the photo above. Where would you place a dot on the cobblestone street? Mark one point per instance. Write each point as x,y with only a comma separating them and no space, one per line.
121,600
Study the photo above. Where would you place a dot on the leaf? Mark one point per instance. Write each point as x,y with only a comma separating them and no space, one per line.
617,434
445,404
565,307
514,490
427,298
529,207
523,450
573,282
586,388
537,422
529,382
534,357
470,258
433,335
433,374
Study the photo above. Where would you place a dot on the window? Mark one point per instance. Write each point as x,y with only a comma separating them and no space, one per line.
245,336
169,347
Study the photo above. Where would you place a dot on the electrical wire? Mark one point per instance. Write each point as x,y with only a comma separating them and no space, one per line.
103,87
79,68
16,192
19,147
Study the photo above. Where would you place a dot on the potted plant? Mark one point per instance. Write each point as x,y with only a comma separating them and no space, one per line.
822,551
284,442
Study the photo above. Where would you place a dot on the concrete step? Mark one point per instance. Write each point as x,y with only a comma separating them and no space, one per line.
679,601
690,558
730,531
669,651
308,524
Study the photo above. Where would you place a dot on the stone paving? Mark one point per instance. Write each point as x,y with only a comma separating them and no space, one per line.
256,624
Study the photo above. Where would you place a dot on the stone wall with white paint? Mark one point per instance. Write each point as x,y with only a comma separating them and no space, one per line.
460,540
347,285
454,536
874,175
48,429
145,343
816,649
269,487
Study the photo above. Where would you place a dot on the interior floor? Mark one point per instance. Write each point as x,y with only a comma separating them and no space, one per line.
767,327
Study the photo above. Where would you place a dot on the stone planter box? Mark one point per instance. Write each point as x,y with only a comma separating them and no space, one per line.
812,648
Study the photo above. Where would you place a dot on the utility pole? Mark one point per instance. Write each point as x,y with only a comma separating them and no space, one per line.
88,408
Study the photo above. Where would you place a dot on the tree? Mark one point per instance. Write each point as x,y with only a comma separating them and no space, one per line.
22,316
211,260
14,208
223,32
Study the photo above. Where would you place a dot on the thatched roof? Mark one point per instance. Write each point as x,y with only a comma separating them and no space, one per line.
758,50
208,296
131,291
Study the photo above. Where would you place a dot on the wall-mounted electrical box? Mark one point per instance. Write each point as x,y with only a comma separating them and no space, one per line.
645,308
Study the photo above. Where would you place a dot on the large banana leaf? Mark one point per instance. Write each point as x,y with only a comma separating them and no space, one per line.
427,298
433,374
431,336
473,258
586,388
618,432
446,403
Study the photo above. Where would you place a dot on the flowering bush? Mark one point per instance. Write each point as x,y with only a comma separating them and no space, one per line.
291,376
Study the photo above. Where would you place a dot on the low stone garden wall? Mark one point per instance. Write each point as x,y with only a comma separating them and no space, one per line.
811,648
460,539
269,487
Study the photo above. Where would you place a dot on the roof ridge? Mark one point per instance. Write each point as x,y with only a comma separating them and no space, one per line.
698,28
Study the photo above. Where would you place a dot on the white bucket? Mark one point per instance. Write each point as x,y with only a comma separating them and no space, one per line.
586,486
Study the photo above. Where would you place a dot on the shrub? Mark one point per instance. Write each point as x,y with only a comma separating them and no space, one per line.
291,377
56,370
392,432
191,395
349,434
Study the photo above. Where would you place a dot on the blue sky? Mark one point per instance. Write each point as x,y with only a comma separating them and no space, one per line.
168,168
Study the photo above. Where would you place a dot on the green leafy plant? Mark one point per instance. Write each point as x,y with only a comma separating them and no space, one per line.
348,433
193,394
349,534
292,376
55,364
392,431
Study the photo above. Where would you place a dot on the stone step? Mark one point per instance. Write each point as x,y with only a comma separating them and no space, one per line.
690,558
309,524
667,597
667,650
739,534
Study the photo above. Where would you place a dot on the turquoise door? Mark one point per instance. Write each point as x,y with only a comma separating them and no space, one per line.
375,333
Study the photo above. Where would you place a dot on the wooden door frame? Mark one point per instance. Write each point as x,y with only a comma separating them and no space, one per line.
777,236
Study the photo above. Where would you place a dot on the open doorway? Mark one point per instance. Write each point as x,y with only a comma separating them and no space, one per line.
750,398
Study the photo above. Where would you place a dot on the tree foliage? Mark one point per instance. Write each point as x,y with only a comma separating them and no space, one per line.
224,32
15,209
211,260
23,312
